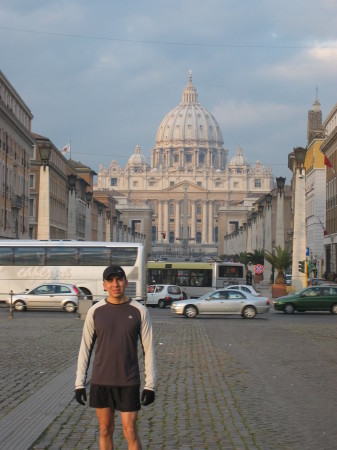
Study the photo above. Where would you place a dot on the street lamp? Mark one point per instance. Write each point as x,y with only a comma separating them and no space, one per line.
72,181
45,150
260,210
88,197
280,181
268,197
300,153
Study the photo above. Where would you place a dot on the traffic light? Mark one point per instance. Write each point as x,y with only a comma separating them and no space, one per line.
301,266
311,266
163,235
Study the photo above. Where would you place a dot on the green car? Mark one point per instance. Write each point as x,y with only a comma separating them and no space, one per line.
314,298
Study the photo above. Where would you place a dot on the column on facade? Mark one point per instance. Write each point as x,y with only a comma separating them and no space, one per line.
88,222
267,269
43,227
193,221
279,236
249,236
260,232
254,233
166,220
71,232
299,237
204,222
177,221
108,227
160,221
210,222
100,226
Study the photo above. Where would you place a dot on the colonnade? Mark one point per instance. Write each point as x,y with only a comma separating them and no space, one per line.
205,215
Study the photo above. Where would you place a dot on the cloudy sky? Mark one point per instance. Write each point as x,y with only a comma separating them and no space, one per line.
103,74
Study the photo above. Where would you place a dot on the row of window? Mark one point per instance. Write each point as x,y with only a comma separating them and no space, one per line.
67,256
219,184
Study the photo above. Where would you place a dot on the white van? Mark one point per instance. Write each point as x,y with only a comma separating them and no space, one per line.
163,295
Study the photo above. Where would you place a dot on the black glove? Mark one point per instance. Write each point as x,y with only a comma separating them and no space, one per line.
81,396
147,397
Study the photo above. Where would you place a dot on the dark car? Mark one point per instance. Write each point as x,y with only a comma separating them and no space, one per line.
314,298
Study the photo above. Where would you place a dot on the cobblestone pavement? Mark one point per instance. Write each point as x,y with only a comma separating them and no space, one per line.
223,383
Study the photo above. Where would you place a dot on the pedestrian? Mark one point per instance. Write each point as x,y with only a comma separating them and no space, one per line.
115,324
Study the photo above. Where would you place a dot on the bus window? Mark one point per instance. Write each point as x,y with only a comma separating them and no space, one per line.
57,256
29,256
6,256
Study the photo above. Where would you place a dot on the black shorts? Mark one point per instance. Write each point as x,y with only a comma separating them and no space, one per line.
125,399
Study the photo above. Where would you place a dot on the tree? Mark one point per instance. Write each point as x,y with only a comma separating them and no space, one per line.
281,260
256,257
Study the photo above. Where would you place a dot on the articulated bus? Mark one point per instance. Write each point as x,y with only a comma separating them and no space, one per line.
196,278
26,263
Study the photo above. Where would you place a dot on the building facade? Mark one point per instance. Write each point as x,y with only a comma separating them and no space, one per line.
15,148
188,180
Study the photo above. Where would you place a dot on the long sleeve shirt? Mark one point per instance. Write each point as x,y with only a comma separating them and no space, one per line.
115,329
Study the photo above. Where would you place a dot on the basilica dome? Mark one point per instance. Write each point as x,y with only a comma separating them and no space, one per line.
189,125
239,159
137,159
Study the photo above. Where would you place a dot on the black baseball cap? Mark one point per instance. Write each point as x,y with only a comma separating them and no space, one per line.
113,270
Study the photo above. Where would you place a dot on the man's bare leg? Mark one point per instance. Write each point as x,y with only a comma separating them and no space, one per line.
129,422
106,420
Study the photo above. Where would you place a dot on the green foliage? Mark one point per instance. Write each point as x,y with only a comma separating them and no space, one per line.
256,257
281,260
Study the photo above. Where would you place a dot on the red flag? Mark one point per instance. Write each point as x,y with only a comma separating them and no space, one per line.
327,162
325,232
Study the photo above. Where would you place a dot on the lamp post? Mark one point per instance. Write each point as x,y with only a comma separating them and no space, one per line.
71,234
299,237
43,226
88,218
279,235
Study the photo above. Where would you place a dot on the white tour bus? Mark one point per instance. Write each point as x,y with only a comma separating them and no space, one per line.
26,263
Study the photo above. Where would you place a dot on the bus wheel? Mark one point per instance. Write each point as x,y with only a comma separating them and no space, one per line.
86,292
190,311
19,305
70,307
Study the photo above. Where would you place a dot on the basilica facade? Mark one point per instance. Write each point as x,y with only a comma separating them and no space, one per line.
188,181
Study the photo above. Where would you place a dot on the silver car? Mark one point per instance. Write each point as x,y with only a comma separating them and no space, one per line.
223,301
58,296
244,288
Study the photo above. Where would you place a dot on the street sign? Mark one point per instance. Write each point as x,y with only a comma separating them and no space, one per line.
307,253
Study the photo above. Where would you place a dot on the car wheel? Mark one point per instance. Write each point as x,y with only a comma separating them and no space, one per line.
334,309
70,307
19,305
289,308
190,311
249,312
161,303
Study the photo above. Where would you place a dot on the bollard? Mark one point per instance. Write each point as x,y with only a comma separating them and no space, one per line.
11,306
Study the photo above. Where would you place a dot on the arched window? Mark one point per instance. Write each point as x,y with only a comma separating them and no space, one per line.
198,237
216,234
171,237
198,208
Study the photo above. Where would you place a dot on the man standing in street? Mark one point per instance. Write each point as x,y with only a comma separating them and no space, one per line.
116,323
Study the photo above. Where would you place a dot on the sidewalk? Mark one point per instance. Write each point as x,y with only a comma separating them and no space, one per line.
194,406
